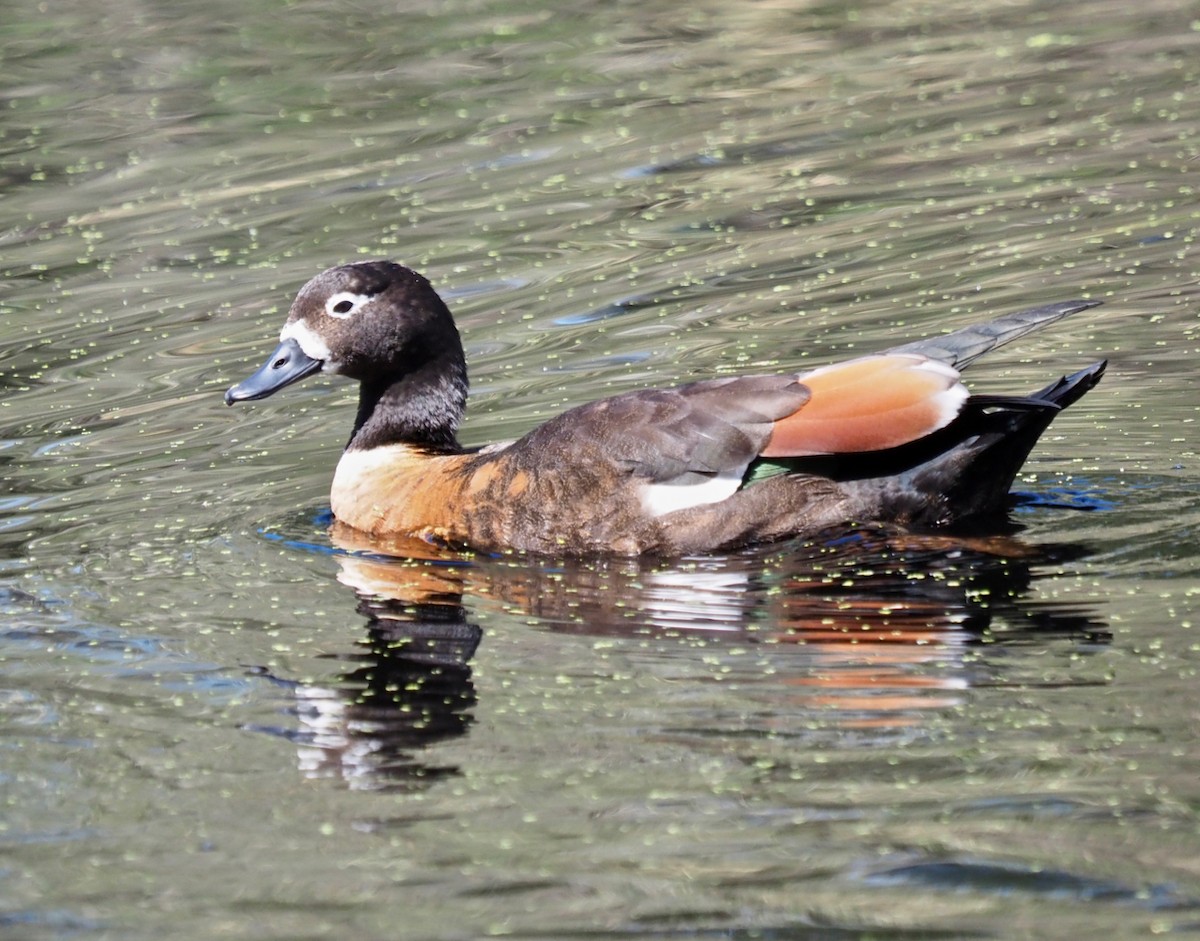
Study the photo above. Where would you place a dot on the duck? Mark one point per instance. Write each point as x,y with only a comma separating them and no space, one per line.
890,439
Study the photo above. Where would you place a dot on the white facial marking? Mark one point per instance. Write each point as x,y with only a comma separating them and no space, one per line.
310,342
343,304
669,496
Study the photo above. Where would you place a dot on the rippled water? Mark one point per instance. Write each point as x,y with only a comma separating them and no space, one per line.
224,719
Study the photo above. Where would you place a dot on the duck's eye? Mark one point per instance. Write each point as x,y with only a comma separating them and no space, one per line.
344,304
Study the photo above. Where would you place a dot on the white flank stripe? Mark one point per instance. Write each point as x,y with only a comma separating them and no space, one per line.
660,499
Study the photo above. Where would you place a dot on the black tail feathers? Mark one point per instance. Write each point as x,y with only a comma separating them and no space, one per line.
994,437
1072,388
958,477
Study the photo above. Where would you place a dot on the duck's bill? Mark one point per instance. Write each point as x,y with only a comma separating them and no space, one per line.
286,365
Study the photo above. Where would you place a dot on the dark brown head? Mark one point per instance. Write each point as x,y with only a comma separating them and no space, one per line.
382,324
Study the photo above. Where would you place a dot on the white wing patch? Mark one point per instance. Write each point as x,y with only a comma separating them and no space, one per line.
951,401
662,498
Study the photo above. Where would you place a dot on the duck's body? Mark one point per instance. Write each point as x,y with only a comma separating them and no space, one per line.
892,438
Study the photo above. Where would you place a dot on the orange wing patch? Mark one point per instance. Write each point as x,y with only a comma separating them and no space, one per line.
869,404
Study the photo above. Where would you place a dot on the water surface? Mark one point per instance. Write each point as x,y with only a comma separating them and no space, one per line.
224,719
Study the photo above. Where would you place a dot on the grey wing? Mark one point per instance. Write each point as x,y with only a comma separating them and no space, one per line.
696,431
962,347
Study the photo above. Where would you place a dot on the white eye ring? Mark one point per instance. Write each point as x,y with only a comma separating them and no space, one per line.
343,304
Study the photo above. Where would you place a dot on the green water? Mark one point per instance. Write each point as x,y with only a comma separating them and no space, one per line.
221,722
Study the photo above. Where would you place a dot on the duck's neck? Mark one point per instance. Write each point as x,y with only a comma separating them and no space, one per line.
422,408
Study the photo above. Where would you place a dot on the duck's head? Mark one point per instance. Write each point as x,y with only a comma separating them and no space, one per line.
384,325
374,321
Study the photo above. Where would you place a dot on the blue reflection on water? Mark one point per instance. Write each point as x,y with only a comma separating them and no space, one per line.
1004,878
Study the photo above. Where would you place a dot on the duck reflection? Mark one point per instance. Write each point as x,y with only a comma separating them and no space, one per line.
406,686
867,630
